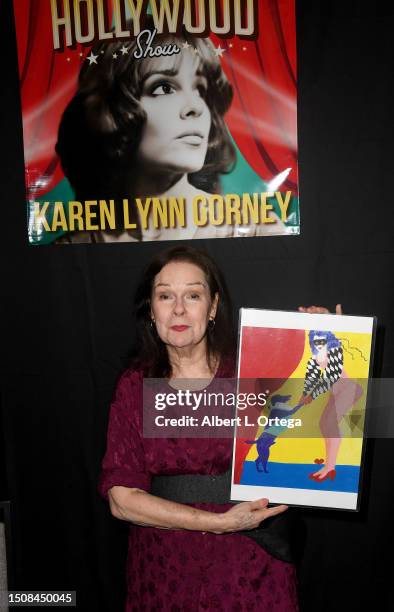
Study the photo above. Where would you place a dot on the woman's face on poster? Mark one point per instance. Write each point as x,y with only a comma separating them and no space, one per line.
178,120
320,343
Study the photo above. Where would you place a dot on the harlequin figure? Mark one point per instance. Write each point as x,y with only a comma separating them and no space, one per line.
325,374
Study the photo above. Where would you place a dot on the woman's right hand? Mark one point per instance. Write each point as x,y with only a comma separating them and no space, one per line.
246,515
320,309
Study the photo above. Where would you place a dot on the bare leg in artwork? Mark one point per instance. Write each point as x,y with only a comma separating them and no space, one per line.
345,393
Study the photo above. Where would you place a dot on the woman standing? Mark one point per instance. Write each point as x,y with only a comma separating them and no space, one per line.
185,556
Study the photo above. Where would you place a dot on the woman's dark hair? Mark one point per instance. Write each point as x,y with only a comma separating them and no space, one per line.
101,128
150,353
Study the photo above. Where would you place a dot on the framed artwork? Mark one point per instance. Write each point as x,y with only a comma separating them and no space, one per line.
305,446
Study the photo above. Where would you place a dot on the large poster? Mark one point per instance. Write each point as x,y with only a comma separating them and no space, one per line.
305,446
160,120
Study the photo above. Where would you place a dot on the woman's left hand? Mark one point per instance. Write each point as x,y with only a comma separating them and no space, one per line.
320,309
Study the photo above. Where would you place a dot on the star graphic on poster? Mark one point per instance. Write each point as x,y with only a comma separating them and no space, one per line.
219,51
115,55
124,50
231,45
243,48
92,58
69,59
185,45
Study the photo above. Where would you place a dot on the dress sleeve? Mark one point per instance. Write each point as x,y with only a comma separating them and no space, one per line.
124,461
332,373
317,383
312,376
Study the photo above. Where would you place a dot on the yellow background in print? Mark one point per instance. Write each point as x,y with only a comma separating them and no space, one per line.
290,447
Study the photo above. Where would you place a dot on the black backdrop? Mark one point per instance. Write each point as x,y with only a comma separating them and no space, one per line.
66,324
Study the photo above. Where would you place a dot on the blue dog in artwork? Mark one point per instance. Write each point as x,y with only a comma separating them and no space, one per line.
279,409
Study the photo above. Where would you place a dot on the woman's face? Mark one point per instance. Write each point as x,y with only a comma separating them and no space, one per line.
178,120
181,304
320,343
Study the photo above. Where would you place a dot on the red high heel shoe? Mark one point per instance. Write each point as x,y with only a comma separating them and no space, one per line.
331,475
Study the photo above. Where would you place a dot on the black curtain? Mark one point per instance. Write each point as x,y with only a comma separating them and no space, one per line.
66,324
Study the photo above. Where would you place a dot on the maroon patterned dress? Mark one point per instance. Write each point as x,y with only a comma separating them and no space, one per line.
186,570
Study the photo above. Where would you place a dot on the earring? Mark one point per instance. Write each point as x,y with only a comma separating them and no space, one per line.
152,323
211,324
